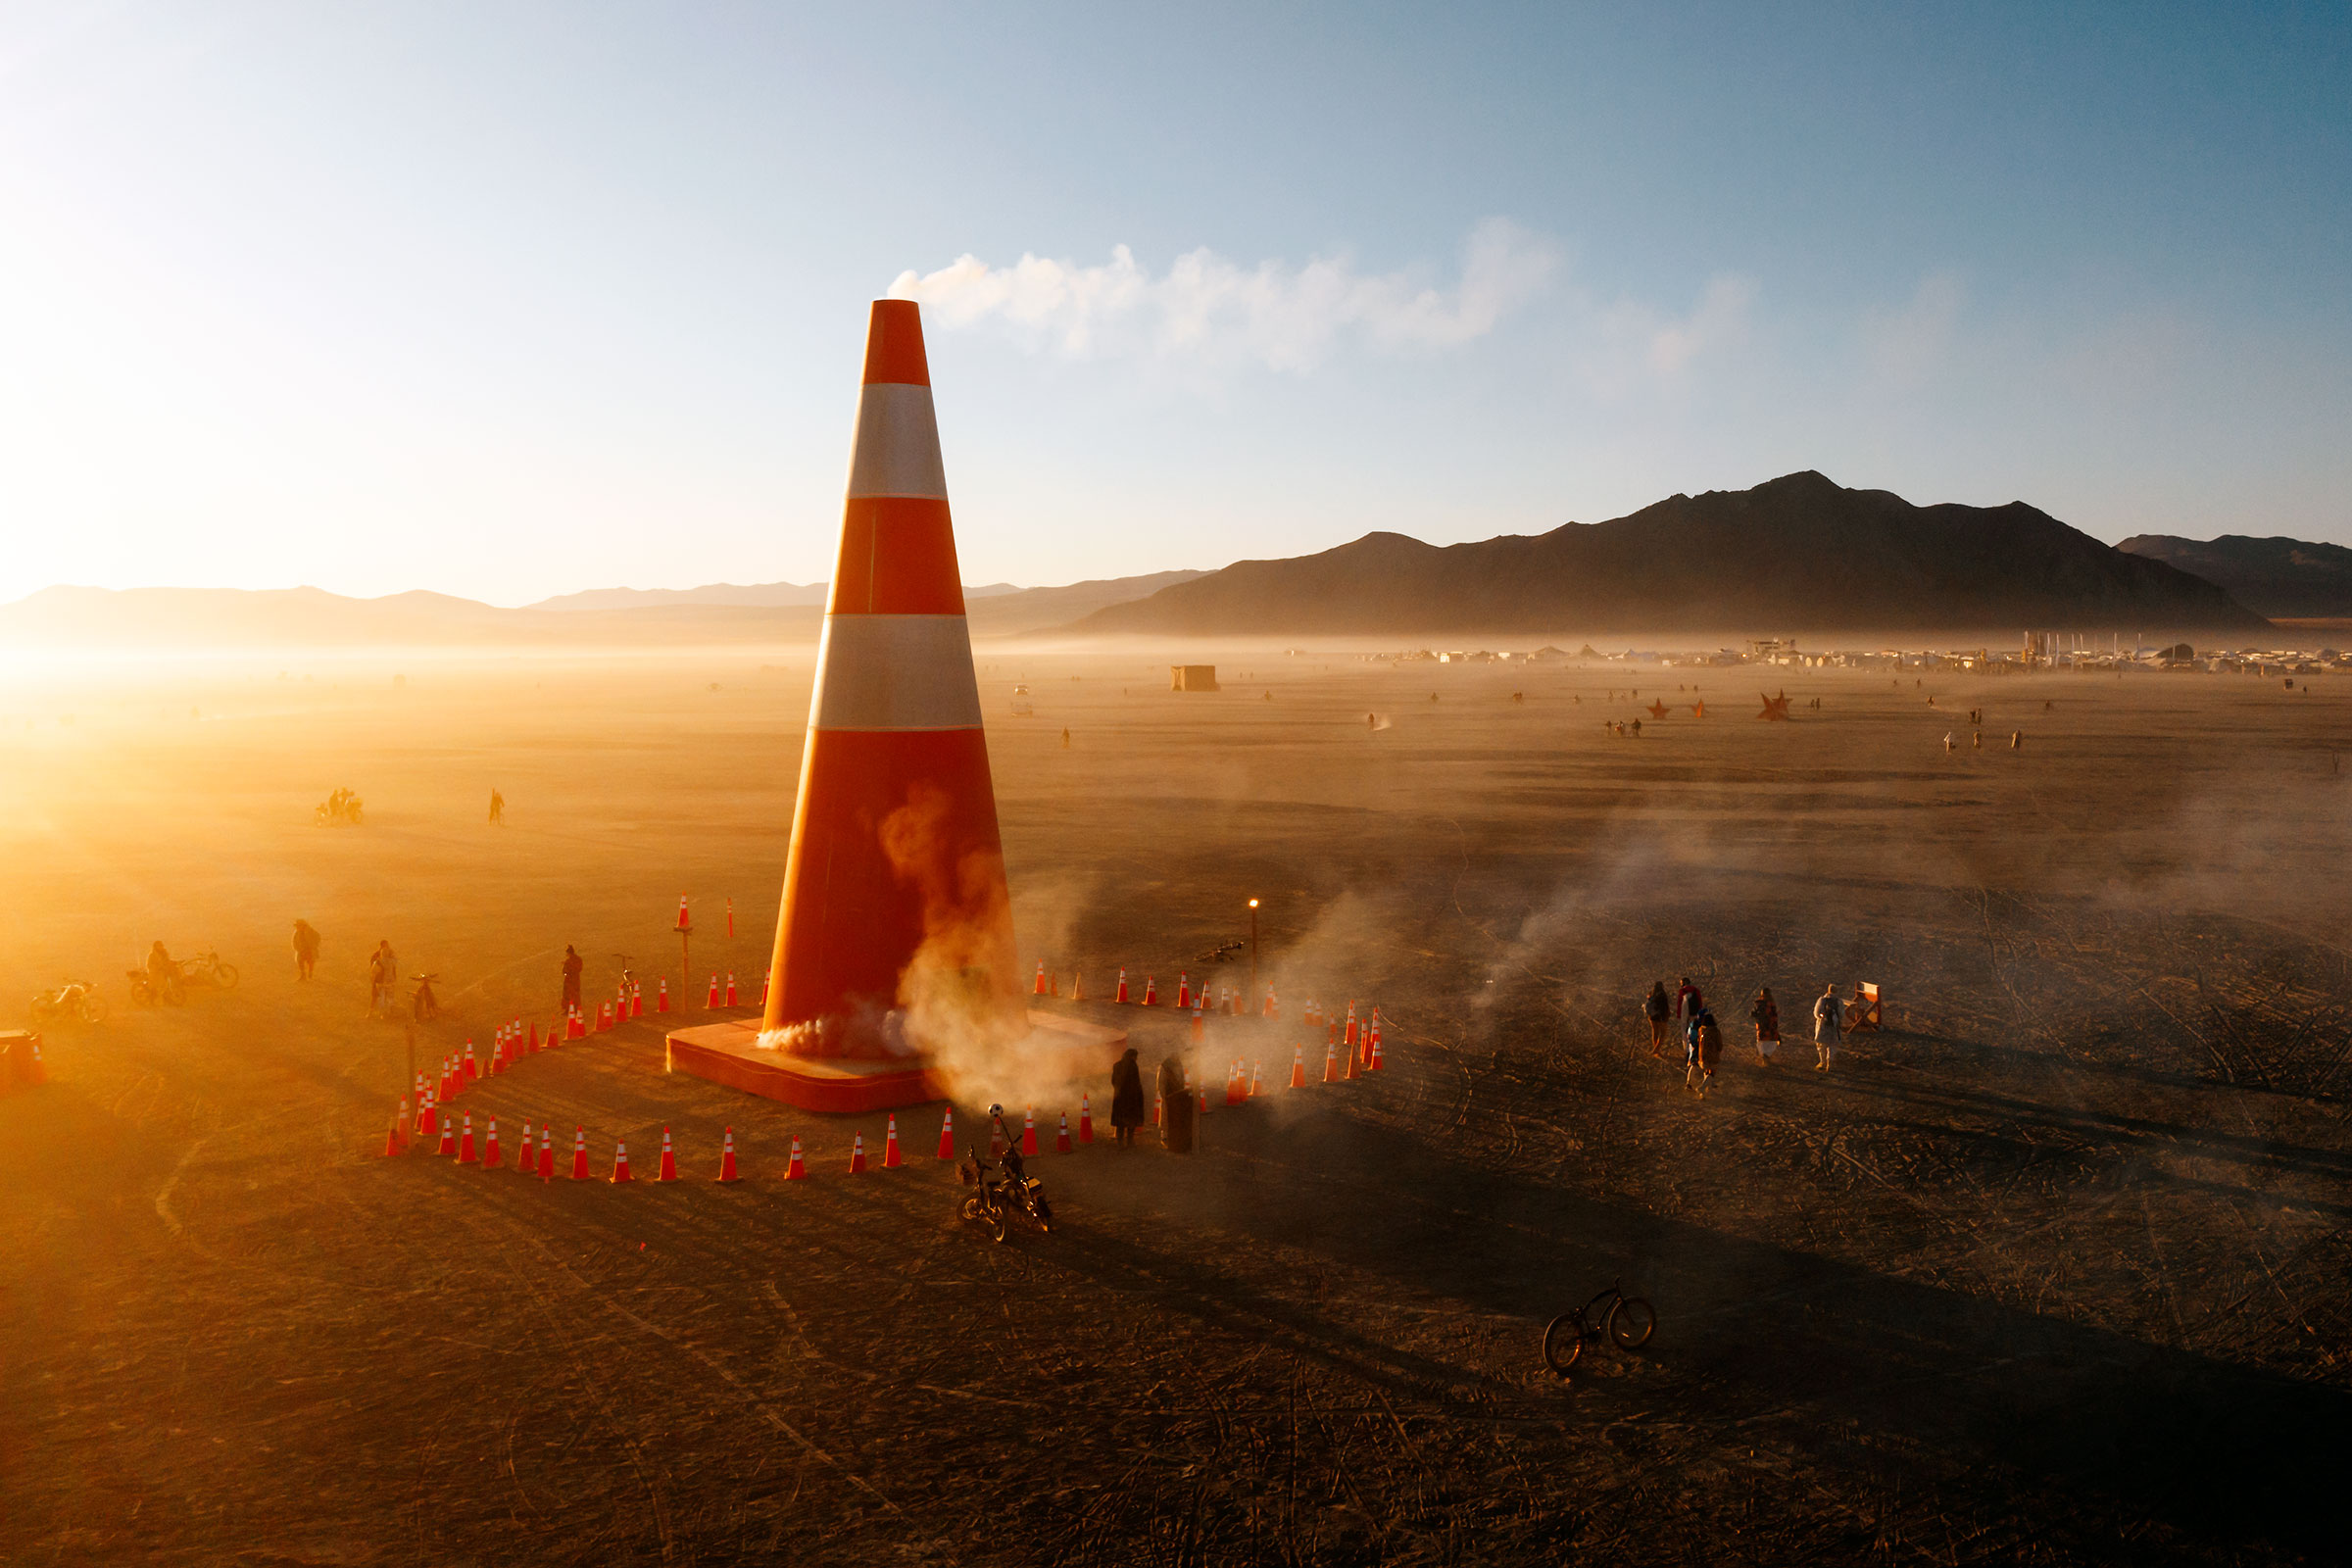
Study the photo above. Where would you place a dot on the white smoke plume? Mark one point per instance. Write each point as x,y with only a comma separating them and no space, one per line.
1206,307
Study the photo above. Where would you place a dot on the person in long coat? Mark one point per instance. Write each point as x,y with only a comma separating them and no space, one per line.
1126,1099
571,978
1175,1107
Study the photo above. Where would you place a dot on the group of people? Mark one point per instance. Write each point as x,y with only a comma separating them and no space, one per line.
1127,1102
1702,1037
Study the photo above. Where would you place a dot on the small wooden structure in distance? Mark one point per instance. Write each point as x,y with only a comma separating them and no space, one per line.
1193,677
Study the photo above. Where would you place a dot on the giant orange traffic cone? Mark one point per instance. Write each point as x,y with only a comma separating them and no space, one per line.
667,1170
894,884
726,1158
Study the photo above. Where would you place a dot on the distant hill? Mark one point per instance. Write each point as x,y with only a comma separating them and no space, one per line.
1797,555
311,617
2283,578
756,595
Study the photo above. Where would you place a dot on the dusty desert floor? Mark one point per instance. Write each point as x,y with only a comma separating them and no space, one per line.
2054,1268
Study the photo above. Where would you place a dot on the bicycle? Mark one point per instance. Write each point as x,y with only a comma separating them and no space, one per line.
1628,1320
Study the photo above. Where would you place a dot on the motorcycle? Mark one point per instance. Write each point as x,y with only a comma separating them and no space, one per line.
76,999
1000,1197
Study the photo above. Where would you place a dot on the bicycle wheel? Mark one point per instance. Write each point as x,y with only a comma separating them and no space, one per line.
1000,1223
972,1210
1631,1322
224,975
1564,1341
93,1009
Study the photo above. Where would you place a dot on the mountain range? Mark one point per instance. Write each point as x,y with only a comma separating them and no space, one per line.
1794,555
2287,579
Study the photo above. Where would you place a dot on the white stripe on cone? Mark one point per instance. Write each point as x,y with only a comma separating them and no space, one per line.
894,450
896,672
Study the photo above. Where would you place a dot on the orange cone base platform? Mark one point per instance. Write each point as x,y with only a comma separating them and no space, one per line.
728,1054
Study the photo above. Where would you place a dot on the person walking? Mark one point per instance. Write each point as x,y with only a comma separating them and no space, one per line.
1767,1016
1657,1010
1702,1049
1829,1024
1687,1001
306,950
498,808
383,978
571,979
1126,1100
1175,1107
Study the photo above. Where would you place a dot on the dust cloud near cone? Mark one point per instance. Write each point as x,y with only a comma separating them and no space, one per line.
895,937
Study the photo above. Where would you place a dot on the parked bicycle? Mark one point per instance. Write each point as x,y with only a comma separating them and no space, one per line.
208,968
1626,1320
424,1004
74,1001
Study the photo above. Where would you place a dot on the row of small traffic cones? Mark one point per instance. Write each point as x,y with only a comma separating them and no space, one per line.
1229,1002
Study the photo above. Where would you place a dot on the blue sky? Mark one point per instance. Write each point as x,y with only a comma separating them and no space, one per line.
510,299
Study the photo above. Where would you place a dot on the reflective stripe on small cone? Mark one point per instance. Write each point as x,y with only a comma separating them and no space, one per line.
726,1158
667,1169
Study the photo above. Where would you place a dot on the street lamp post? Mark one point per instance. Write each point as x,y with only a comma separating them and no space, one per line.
1253,1003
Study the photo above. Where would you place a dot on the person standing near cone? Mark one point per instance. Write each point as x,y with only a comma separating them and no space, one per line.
1829,1024
1126,1099
571,978
1176,1107
306,950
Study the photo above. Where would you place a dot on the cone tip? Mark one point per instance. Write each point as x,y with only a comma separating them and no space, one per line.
893,344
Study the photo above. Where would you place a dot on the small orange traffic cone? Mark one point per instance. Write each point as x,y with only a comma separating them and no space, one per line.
685,920
621,1162
1184,993
1331,1063
1121,994
1254,1068
764,993
524,1160
1077,986
997,1143
795,1171
1299,1066
857,1153
426,1117
1349,1074
713,1001
1029,1130
604,1016
1037,988
1348,1034
946,1134
1151,992
1159,1110
636,1002
1374,1064
491,1160
394,1141
1272,1008
1062,1143
1200,1030
32,1072
1237,1088
579,1153
661,995
449,1136
1314,1015
547,1153
1086,1118
730,987
472,1072
726,1158
667,1169
890,1159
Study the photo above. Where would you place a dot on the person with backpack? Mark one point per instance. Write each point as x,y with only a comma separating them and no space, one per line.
1703,1050
1657,1010
1829,1024
1767,1016
1687,1000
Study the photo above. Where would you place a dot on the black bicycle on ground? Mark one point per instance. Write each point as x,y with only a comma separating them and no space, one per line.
1626,1320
